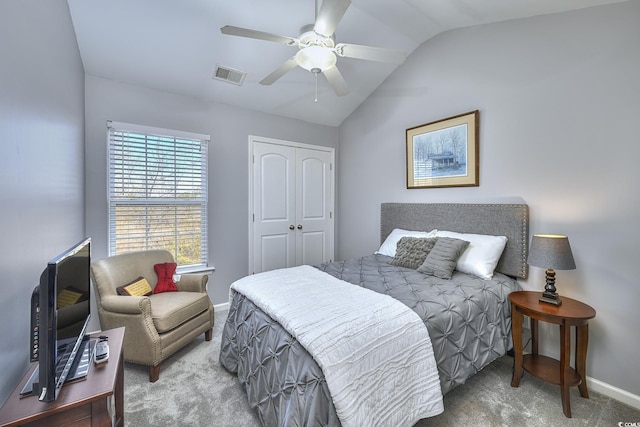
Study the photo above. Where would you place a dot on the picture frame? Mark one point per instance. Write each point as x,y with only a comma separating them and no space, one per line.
444,153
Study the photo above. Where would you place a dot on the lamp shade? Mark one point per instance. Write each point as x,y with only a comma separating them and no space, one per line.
551,251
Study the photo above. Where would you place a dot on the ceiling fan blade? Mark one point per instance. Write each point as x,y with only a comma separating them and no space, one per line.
336,81
260,35
280,71
370,53
329,16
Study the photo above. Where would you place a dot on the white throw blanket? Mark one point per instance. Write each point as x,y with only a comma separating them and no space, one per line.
375,352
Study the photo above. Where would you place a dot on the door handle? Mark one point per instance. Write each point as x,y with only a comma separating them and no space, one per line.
299,227
291,227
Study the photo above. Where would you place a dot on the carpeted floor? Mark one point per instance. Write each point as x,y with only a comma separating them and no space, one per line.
195,390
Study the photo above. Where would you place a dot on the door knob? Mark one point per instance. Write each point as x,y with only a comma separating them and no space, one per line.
291,227
299,227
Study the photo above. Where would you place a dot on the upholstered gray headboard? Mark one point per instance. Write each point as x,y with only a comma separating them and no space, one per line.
510,220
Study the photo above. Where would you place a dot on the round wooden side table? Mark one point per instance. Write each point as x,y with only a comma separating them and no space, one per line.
570,313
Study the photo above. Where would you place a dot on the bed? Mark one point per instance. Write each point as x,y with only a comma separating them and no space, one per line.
467,320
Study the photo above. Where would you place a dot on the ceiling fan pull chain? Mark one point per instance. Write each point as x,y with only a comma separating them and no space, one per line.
316,74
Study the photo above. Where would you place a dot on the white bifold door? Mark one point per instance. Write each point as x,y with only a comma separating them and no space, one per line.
291,203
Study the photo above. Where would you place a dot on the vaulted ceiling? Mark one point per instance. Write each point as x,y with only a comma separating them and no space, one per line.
175,45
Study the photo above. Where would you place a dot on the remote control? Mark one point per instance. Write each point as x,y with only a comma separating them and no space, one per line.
101,352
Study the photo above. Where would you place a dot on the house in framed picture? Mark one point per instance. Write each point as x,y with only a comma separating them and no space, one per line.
302,135
444,153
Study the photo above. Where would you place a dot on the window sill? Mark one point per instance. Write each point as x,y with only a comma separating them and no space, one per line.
195,270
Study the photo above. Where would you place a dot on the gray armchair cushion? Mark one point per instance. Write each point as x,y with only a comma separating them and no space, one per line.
171,309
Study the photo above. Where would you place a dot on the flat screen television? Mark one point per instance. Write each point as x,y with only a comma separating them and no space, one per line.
62,315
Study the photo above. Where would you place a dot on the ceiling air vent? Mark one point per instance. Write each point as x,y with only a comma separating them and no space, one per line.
229,75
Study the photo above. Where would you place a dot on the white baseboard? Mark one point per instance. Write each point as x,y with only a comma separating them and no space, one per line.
616,393
222,307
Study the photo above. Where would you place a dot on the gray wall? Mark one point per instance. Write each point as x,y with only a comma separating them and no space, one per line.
229,128
42,162
558,100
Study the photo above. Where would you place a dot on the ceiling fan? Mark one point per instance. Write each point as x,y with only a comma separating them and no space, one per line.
317,48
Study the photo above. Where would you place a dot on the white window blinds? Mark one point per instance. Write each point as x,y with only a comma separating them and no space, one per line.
158,192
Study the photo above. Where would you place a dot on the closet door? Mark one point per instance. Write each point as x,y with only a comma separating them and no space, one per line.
313,210
292,205
274,207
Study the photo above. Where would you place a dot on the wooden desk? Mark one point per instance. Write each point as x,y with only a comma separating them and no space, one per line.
569,313
88,402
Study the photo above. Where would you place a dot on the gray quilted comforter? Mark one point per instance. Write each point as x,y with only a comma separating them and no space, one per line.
468,320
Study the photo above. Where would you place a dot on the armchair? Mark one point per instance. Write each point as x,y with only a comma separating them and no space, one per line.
158,325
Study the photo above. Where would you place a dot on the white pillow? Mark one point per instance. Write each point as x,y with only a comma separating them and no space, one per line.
390,244
481,256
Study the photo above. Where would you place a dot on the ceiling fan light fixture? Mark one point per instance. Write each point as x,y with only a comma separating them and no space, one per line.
316,57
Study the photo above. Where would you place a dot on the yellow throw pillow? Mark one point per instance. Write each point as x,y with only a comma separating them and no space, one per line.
139,287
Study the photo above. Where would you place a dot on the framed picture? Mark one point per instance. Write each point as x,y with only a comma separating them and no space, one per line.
444,153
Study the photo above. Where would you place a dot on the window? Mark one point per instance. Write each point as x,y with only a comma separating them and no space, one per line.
158,192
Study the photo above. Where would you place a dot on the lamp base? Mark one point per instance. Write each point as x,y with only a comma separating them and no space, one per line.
550,298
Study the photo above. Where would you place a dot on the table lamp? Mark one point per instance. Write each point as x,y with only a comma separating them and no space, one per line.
551,251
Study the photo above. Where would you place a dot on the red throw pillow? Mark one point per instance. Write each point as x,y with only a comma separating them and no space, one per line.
165,273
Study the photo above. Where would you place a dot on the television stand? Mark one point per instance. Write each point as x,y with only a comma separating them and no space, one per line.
96,401
79,368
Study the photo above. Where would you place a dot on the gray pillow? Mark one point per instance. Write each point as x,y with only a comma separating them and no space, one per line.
412,251
442,259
